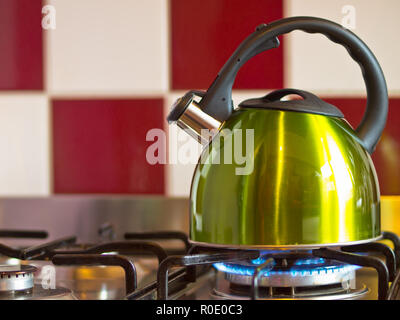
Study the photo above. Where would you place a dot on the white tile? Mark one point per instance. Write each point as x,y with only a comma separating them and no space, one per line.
315,63
24,145
108,47
180,147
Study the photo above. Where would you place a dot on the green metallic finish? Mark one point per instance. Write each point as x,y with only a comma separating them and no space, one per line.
312,183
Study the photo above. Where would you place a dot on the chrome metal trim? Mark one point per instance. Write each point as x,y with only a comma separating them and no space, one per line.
16,280
352,294
344,277
198,124
37,292
284,247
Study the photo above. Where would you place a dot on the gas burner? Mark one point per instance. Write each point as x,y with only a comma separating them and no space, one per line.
290,271
17,282
16,278
230,291
289,275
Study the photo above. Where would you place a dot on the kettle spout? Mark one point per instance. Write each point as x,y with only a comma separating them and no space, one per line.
187,114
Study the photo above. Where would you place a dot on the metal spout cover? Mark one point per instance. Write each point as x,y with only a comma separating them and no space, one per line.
187,114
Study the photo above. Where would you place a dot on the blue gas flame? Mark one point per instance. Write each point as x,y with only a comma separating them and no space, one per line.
302,267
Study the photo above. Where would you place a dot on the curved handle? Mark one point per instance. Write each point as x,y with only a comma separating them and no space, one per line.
217,102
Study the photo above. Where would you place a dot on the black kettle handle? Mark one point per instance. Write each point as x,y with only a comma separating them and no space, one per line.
218,100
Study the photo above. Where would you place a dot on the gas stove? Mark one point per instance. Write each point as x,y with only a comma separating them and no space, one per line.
321,273
140,268
96,248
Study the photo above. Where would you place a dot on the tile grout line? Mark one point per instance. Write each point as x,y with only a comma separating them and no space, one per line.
46,80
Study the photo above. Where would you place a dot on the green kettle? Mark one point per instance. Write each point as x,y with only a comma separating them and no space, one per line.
308,180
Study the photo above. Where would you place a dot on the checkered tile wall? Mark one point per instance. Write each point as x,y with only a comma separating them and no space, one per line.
77,101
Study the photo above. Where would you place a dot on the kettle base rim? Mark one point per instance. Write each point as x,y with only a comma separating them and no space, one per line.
283,246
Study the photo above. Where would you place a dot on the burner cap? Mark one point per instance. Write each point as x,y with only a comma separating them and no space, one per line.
9,267
16,277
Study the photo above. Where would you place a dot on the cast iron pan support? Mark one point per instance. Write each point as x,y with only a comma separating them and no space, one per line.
394,288
159,235
33,234
191,271
363,261
36,252
394,238
376,247
122,247
101,260
267,265
41,249
195,259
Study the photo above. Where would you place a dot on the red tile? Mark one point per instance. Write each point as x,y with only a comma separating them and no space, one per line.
99,146
21,52
387,154
205,34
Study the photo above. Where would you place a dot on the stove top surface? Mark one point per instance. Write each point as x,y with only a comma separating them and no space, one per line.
139,267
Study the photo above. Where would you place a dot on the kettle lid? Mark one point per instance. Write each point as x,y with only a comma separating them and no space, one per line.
309,104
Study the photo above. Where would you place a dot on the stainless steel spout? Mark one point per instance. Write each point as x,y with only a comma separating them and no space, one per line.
187,114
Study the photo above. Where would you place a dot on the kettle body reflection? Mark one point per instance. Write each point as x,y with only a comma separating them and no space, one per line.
278,173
